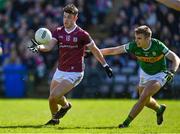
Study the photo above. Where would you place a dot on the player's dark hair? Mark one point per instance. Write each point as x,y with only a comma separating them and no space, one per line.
145,30
71,9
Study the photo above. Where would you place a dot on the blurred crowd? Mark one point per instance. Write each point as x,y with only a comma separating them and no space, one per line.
19,19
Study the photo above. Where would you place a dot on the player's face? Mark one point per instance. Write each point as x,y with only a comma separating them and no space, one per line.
141,40
69,20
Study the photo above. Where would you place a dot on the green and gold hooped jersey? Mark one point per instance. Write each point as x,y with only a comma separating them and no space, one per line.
152,60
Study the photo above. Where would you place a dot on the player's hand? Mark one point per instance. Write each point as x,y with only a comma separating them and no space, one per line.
108,71
88,53
169,76
34,46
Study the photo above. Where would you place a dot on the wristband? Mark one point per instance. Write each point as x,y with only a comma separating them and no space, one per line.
105,65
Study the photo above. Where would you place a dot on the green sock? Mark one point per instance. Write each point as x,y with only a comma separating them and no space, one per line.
159,110
128,121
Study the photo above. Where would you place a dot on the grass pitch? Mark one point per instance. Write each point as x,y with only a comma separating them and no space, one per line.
86,116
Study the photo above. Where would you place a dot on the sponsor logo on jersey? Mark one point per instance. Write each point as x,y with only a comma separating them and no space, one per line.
150,59
68,46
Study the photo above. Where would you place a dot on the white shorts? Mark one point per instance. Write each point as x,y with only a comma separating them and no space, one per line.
73,77
144,77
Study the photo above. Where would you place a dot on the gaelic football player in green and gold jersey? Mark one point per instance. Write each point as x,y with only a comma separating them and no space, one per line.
151,55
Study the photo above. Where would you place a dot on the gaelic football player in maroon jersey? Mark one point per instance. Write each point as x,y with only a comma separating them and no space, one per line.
72,41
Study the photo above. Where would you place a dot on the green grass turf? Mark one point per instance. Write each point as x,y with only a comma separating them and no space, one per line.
86,116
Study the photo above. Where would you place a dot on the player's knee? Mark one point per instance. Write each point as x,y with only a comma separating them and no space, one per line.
52,98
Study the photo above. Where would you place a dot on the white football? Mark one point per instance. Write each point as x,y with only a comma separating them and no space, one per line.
43,36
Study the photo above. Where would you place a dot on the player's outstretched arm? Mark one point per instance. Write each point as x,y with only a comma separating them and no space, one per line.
113,50
97,53
175,60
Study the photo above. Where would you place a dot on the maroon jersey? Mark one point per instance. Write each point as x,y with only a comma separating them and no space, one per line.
71,48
